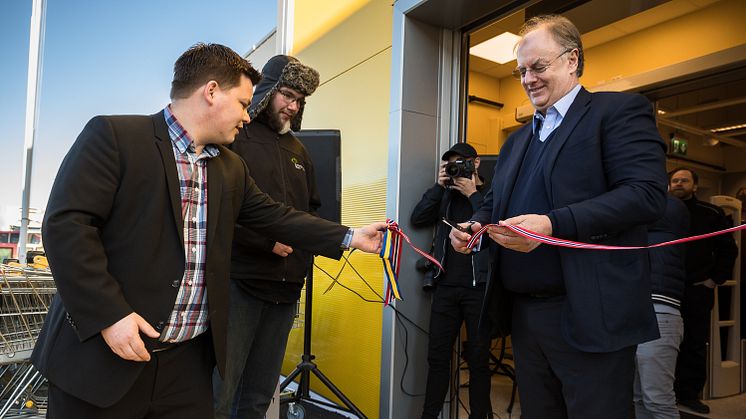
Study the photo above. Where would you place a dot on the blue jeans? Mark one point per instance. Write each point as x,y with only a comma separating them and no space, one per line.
656,366
257,336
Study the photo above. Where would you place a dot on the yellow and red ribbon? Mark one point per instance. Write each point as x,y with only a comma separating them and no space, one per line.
391,255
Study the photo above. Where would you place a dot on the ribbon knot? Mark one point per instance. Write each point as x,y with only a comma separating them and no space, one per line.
391,256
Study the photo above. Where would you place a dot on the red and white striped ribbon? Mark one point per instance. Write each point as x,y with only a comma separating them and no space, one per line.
579,245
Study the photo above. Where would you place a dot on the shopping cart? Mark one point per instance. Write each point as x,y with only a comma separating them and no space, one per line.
25,296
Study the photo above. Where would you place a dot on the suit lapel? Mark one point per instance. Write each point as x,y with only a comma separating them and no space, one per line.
163,142
214,195
576,112
513,167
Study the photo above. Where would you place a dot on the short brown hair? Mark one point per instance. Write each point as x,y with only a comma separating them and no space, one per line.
563,31
695,177
204,62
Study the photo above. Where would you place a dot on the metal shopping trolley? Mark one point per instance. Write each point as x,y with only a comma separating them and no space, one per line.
25,296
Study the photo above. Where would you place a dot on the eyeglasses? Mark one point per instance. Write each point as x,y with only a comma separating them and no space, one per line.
520,72
290,98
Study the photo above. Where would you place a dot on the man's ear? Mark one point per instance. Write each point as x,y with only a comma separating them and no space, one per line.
209,90
573,58
476,162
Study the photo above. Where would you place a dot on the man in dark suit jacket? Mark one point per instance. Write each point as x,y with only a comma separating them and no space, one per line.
138,232
590,168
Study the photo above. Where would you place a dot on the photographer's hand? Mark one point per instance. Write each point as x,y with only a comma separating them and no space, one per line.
467,186
442,176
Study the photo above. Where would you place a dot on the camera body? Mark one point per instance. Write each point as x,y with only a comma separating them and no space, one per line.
460,168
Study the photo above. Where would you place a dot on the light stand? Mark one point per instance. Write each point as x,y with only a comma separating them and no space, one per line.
307,366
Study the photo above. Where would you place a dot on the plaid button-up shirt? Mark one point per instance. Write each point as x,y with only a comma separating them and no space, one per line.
189,316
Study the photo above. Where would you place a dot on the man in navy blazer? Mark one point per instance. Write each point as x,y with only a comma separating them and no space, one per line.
590,168
138,232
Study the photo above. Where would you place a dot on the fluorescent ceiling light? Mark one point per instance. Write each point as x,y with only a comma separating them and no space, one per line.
498,49
728,128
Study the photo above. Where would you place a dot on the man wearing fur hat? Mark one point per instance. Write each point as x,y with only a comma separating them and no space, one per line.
267,276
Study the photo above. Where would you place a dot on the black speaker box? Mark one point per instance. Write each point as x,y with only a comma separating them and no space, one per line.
324,148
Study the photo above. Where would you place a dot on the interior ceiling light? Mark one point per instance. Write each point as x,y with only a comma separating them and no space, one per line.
661,112
728,128
498,49
710,142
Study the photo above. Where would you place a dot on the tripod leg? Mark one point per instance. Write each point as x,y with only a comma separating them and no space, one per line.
289,379
338,393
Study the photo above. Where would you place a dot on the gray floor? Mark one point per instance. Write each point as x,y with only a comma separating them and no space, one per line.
725,408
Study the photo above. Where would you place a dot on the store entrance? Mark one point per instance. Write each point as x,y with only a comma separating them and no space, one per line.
703,119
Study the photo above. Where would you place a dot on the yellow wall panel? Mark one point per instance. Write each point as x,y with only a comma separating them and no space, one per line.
315,18
353,57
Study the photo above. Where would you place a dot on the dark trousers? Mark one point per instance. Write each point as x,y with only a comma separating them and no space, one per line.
257,336
175,384
691,367
450,307
558,381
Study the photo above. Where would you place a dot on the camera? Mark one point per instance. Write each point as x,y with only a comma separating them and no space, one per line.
460,168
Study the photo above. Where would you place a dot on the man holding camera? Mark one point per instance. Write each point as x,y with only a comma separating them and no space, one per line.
460,289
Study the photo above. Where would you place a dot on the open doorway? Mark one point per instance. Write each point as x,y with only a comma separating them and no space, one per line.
703,118
651,47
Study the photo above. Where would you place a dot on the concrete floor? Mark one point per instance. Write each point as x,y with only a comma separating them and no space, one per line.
733,407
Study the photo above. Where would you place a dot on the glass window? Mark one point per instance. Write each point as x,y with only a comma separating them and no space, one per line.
5,253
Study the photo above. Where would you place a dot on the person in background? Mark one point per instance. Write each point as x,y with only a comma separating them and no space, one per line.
656,360
459,290
590,168
709,263
138,230
266,275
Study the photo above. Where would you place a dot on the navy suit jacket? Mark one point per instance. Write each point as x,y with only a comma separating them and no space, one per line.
605,177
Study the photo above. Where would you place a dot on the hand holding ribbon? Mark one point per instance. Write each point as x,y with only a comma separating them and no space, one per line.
391,255
460,236
368,238
509,239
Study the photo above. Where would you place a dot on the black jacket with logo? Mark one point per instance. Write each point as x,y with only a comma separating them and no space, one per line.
282,168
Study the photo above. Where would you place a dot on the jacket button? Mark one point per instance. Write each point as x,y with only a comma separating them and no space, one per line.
176,283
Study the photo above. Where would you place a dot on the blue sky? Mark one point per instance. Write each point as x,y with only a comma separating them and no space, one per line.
102,57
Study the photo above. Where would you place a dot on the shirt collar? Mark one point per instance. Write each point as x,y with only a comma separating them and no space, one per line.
563,105
181,139
560,107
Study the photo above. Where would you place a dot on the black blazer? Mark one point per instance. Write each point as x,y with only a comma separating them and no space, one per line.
605,177
113,235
